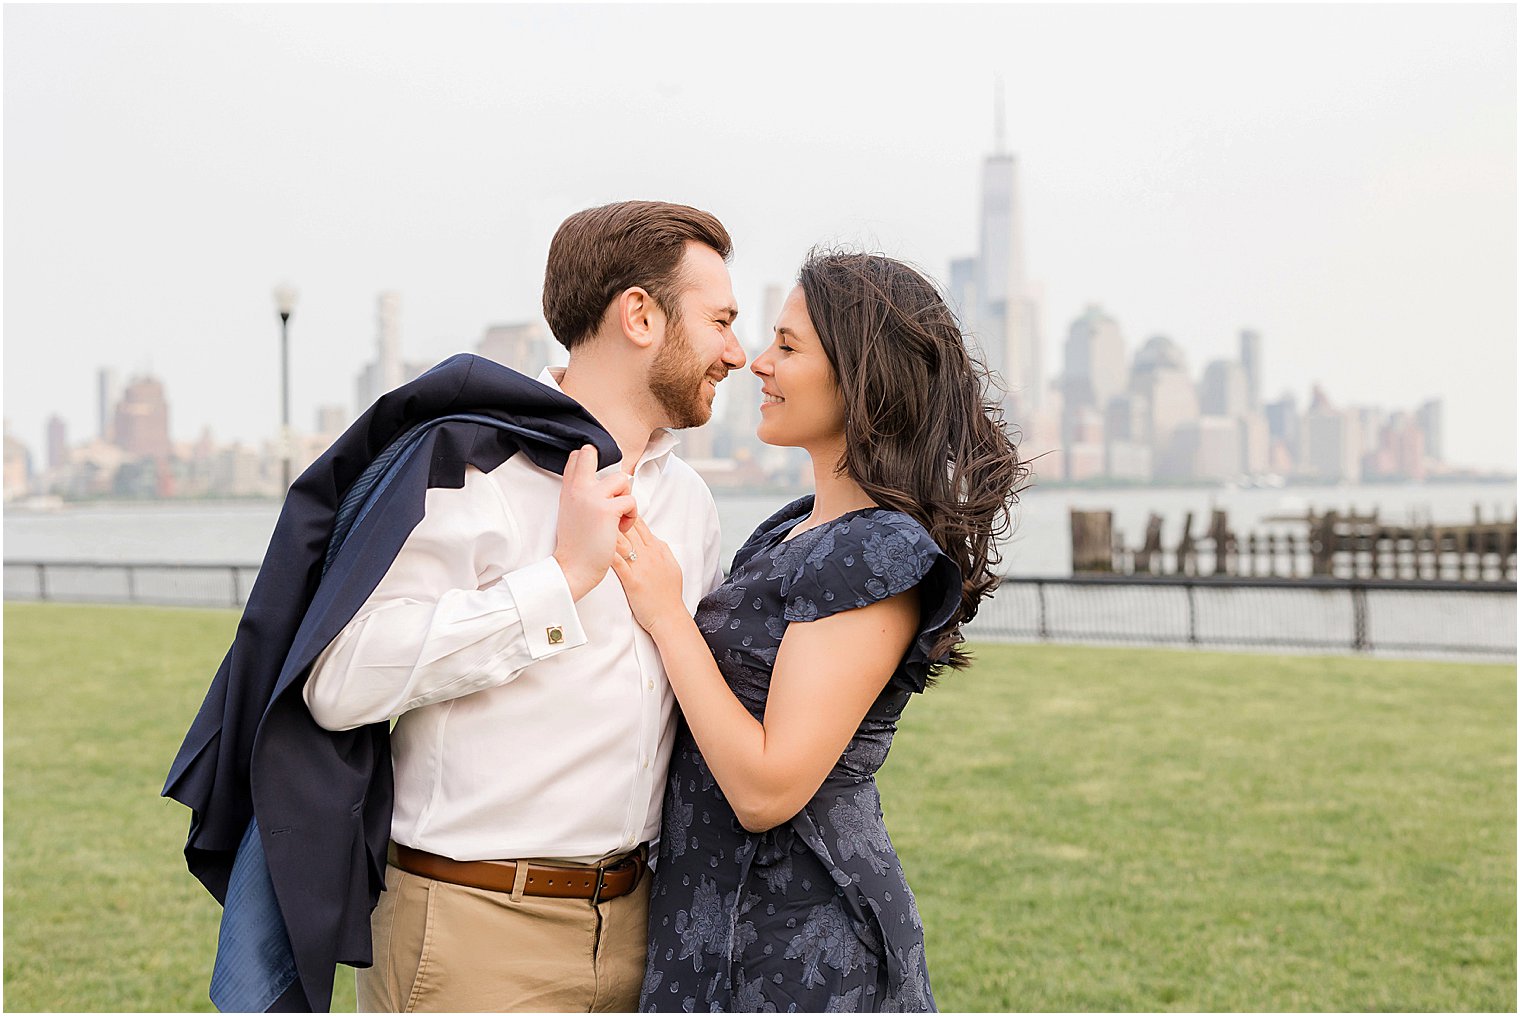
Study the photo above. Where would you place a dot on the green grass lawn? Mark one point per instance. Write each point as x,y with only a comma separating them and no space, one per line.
1085,829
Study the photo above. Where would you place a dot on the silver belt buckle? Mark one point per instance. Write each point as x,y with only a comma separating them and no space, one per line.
601,883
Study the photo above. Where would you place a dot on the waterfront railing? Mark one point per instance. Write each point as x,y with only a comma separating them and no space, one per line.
153,583
1395,617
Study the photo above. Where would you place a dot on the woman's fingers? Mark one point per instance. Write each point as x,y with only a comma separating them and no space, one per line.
644,532
636,537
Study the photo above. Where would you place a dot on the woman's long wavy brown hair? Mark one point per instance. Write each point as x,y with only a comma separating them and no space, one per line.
924,427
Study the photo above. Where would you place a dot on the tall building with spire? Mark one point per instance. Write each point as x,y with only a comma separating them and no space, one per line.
388,332
992,292
389,370
1250,361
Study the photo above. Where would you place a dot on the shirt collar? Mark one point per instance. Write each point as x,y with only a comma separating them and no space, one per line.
662,441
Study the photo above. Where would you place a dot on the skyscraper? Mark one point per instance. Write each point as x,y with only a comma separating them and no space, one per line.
1160,374
57,442
997,305
1283,419
332,420
389,371
1331,442
523,347
1250,362
142,419
105,406
388,329
18,466
1224,390
1095,368
1428,417
963,289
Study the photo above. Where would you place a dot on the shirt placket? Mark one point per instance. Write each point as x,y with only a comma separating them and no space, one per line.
647,657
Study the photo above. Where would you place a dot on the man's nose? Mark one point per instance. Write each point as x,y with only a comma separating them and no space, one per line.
733,353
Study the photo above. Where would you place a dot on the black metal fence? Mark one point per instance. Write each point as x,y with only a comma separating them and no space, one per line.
183,585
1310,614
1318,614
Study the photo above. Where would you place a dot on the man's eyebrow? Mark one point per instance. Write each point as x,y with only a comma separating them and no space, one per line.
731,311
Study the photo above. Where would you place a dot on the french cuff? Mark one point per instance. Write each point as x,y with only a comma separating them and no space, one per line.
546,607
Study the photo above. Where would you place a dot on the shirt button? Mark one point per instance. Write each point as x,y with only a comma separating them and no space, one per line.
651,684
646,763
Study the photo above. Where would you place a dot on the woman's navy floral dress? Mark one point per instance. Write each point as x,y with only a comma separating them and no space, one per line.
814,915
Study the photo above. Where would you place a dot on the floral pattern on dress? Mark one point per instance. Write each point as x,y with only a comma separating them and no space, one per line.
857,821
717,607
702,928
749,995
913,995
848,1002
822,548
677,820
815,914
826,938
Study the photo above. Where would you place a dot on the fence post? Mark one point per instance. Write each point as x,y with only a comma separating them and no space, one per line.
1192,601
235,594
1359,640
41,581
1044,622
131,584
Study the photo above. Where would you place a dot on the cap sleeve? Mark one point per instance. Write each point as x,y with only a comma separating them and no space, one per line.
871,558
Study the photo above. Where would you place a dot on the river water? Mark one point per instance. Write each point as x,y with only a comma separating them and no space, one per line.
238,532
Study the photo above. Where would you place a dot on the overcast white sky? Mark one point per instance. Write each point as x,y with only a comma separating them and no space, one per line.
1340,178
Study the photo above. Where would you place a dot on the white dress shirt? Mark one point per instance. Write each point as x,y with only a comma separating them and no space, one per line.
527,724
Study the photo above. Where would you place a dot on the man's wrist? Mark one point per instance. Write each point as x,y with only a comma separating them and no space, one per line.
578,580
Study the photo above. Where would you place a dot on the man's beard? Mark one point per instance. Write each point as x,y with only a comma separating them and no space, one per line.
675,381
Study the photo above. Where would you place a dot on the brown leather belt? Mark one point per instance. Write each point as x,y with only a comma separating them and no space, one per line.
594,883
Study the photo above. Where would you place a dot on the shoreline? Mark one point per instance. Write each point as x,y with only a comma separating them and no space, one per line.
21,506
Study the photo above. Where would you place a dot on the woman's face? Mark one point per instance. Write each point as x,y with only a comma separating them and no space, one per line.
801,405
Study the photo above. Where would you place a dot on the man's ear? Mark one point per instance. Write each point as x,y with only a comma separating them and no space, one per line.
638,316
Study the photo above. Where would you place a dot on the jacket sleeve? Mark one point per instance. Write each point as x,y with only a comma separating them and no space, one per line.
457,612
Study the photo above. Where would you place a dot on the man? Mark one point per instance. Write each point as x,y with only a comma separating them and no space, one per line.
533,722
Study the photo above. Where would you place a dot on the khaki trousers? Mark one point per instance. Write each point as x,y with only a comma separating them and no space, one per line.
440,947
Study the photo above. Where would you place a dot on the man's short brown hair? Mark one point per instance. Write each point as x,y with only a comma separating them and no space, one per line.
600,252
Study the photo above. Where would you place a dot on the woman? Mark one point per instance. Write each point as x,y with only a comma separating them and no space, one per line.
777,886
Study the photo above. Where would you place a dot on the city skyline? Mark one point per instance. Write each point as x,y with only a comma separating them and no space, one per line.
1106,417
1159,204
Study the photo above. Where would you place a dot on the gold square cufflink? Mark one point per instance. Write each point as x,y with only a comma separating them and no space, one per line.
556,634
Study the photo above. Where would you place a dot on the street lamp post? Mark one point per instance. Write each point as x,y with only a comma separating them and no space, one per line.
285,302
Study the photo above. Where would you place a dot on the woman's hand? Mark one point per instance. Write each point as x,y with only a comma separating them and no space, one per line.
651,577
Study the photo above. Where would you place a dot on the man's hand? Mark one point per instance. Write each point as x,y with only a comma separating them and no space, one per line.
592,511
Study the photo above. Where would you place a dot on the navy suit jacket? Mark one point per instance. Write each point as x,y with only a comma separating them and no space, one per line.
322,800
